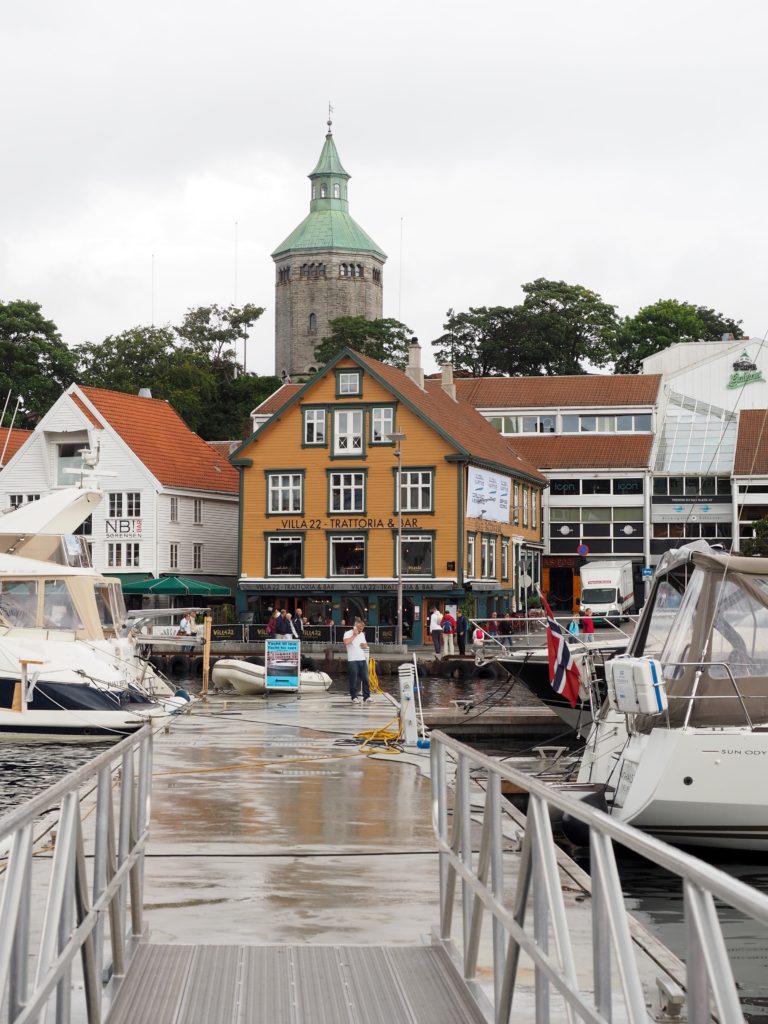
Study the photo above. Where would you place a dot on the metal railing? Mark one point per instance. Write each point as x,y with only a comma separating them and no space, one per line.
709,982
93,913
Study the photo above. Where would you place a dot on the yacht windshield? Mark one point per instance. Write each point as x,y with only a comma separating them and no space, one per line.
109,606
58,608
662,615
18,602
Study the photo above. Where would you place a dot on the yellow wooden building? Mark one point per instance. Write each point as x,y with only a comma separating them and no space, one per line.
319,500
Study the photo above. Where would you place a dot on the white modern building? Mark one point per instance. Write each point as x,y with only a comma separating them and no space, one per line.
171,499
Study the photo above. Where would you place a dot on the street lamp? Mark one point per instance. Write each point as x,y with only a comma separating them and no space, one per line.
398,437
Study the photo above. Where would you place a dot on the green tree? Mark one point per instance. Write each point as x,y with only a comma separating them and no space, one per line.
561,328
757,545
34,361
384,339
473,341
662,324
558,328
194,367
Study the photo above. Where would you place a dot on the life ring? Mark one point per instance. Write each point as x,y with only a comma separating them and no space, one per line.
179,665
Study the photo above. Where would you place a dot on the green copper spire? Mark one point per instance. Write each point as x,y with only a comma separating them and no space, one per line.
328,225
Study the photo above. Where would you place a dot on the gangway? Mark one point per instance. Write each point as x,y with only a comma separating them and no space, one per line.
82,954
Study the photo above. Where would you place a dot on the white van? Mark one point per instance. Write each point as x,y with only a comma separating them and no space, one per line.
607,589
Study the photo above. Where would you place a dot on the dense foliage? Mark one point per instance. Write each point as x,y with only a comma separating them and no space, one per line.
384,339
561,328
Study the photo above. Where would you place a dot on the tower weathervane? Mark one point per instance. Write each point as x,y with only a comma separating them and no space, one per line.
329,122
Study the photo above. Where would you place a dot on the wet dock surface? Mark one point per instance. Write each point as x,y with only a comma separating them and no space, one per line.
277,841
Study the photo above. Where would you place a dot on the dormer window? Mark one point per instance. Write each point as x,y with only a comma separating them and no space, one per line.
323,191
336,192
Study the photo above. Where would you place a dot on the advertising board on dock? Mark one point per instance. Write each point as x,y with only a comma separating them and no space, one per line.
282,659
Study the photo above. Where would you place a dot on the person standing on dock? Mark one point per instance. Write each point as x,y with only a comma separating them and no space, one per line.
449,632
462,628
357,663
283,625
587,626
436,629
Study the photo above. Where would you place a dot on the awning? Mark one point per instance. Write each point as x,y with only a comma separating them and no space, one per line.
127,577
319,585
176,586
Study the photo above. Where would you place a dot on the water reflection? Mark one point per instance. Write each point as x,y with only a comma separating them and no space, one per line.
27,769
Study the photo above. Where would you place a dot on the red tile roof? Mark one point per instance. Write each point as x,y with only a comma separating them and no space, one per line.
598,451
155,432
459,421
752,443
582,390
15,439
88,413
224,448
277,399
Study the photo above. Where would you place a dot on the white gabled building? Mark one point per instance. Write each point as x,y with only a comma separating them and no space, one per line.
171,499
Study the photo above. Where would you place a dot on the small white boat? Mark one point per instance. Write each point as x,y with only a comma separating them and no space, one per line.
249,679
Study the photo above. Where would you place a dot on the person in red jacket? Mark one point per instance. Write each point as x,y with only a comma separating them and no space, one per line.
449,632
587,625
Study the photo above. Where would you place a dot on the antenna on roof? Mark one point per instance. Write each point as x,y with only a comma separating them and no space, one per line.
329,122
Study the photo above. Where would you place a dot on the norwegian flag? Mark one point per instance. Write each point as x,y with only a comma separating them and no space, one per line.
563,671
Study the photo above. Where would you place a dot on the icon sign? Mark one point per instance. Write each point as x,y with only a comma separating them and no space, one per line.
582,549
646,571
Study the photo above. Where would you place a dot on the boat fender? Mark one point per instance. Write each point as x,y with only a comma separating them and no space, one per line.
487,671
181,692
460,670
179,665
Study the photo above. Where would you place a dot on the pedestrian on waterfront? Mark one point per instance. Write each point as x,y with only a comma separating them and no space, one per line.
436,629
185,627
283,625
298,622
272,623
573,626
462,628
505,629
357,663
478,636
587,626
449,632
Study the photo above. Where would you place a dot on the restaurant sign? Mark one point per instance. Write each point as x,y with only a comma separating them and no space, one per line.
745,371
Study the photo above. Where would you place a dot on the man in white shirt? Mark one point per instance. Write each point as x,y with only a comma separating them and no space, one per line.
436,630
357,663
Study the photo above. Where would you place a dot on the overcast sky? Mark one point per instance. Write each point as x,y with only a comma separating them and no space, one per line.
615,145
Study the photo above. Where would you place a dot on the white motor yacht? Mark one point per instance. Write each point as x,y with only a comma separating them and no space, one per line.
66,672
682,739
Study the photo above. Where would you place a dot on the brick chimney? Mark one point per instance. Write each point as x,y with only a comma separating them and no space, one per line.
414,369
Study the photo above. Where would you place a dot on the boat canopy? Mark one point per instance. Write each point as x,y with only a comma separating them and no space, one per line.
709,629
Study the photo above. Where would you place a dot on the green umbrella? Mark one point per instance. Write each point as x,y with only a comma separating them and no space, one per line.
177,586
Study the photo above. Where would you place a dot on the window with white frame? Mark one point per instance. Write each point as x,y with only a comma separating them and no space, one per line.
123,554
314,426
471,554
173,556
114,555
349,383
347,555
116,505
516,503
69,462
484,557
382,424
492,557
284,555
348,431
488,557
174,510
132,554
504,558
285,492
347,492
416,490
534,507
197,557
17,500
133,504
197,511
417,554
525,506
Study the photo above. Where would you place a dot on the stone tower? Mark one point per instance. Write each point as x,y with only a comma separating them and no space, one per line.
327,267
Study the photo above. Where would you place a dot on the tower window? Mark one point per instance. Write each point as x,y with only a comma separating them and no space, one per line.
323,191
314,191
376,276
312,323
313,270
359,270
321,270
304,270
343,270
336,192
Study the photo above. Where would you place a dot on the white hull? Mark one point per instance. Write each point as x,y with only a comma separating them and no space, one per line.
693,787
250,680
75,726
